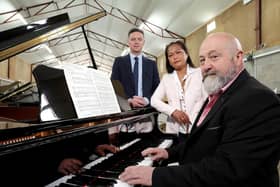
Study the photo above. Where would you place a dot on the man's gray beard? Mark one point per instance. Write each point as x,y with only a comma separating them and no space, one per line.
214,83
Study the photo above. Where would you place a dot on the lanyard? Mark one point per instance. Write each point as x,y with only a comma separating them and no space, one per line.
182,101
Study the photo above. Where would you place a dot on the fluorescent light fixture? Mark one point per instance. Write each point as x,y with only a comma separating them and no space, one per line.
30,27
40,22
245,2
211,26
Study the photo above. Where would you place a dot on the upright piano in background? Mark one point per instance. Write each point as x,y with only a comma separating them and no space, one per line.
30,152
19,101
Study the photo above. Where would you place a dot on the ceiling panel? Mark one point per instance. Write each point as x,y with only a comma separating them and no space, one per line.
108,35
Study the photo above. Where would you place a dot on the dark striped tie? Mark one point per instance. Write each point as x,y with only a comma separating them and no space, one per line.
135,74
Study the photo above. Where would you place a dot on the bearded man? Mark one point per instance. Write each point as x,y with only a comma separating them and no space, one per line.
235,139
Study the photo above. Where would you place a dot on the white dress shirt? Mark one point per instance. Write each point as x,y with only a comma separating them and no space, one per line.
194,96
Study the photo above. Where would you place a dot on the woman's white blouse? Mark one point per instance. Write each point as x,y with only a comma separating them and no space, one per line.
194,96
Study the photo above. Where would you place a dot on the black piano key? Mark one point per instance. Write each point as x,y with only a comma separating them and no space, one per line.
85,180
106,173
118,162
79,180
67,185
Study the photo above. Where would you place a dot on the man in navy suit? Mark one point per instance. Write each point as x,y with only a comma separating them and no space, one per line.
148,77
138,86
236,136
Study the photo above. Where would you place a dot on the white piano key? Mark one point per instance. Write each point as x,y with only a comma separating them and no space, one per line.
166,143
122,184
60,180
147,161
129,144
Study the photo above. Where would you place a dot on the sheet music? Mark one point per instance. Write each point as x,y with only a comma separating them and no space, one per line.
91,91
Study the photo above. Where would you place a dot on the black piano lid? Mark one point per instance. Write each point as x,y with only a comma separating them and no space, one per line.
29,128
23,136
24,33
17,42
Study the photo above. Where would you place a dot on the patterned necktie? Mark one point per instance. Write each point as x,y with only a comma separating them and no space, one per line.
135,74
208,107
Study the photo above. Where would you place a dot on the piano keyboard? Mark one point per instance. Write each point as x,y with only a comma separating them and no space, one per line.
97,174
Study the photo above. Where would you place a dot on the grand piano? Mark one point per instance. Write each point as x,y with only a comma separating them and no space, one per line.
30,152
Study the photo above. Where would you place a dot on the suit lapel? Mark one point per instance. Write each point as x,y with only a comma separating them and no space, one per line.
144,67
218,105
128,68
214,110
128,63
144,75
199,114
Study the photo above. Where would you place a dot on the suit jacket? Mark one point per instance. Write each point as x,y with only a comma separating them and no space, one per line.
237,144
122,71
168,87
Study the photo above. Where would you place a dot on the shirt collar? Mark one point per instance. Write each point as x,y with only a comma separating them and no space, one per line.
230,82
132,56
189,71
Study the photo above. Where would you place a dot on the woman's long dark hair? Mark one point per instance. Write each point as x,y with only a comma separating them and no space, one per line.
169,68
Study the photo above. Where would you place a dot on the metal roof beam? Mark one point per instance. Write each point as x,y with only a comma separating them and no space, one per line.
112,11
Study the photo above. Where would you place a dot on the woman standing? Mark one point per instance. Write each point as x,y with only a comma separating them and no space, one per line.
182,87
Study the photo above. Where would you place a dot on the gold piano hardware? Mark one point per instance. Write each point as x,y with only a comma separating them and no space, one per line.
16,140
48,36
46,133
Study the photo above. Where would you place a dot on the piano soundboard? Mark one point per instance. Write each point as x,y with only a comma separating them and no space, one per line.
104,171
